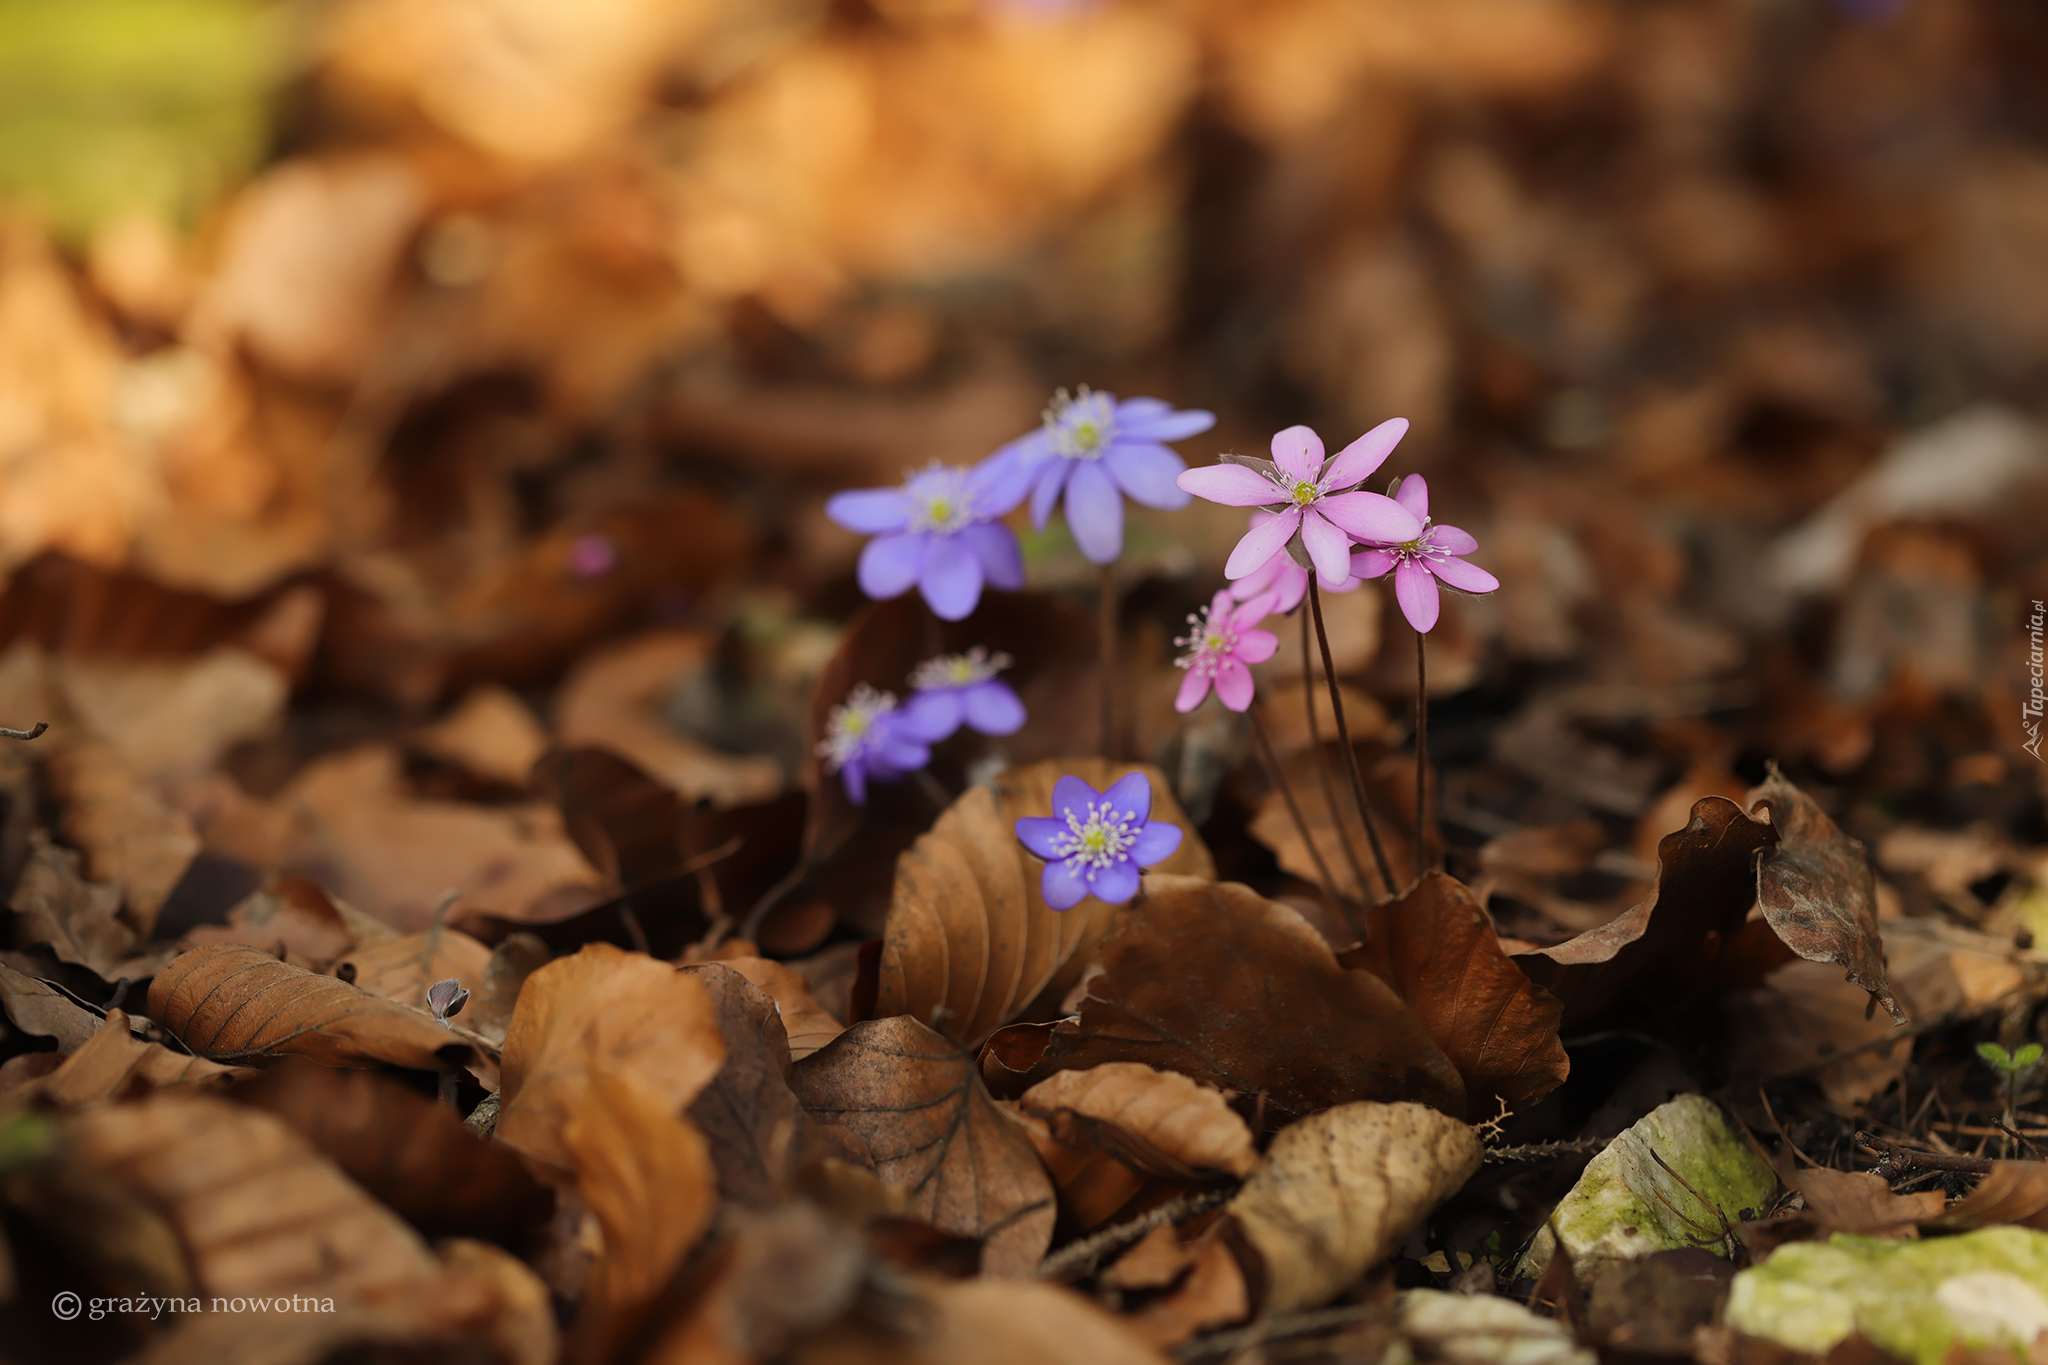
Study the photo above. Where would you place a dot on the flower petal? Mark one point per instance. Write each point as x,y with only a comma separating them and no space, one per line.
1461,575
1045,494
993,707
928,717
1002,558
1299,452
871,511
951,580
1071,796
1261,543
1095,512
1257,646
890,564
1156,842
901,752
1232,485
1131,794
854,778
1062,887
1328,548
1116,884
999,483
1415,590
1355,461
1451,541
1234,684
1248,614
1042,834
1371,518
1413,494
1373,563
1193,688
1141,420
1147,474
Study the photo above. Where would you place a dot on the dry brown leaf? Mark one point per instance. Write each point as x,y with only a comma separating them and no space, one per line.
992,1323
1216,983
602,1012
35,1007
2013,1192
130,836
1213,1295
292,915
491,733
229,1001
114,1064
1154,1261
912,1105
809,1025
777,1272
758,1132
79,920
1340,1190
1437,947
1862,1203
1817,890
1390,788
970,940
1803,1014
402,968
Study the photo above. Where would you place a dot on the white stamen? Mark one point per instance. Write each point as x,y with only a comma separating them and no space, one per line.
851,725
977,665
1080,426
1101,841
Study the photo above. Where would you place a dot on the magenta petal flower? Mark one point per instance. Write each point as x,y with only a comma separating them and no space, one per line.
1095,842
957,689
868,738
938,531
1420,562
1310,498
1097,452
1220,647
1286,580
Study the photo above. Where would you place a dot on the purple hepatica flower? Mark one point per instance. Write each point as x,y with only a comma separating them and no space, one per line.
1311,499
939,532
1095,842
963,688
1286,580
867,737
1220,646
1419,561
1098,451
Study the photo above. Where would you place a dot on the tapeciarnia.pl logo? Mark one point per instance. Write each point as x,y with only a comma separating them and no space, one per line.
2037,695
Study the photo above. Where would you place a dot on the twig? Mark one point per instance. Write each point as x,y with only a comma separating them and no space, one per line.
41,726
1372,833
1544,1151
1079,1258
1892,1158
1279,1327
1421,756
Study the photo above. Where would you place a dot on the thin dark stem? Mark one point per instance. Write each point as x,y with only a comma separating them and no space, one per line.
1421,756
1105,659
41,726
1372,833
1272,762
1322,767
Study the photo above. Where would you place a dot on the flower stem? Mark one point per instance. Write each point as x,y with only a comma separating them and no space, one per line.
1105,660
1322,767
1372,834
1421,757
1273,770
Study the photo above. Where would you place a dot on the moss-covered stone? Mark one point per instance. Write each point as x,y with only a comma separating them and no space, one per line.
1627,1204
1915,1299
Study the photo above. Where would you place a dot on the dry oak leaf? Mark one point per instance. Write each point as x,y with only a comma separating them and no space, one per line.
1654,955
231,1001
991,1323
758,1132
912,1106
1437,948
114,1064
808,1024
1340,1190
1221,985
2013,1192
969,940
604,1011
1817,890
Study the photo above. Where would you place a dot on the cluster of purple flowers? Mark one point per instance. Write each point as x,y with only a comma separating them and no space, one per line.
869,737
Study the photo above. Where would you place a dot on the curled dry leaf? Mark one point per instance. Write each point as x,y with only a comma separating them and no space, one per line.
1009,1323
1862,1203
293,914
970,940
114,1064
912,1106
36,1007
402,968
1437,948
1655,954
1215,982
757,1130
1817,890
2013,1192
229,1001
1340,1190
79,920
808,1024
602,1012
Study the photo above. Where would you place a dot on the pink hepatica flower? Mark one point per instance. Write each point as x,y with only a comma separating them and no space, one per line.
1282,577
1311,499
1095,842
1221,645
1420,560
938,531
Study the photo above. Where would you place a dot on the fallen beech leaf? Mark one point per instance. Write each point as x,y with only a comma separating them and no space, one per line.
413,1154
1862,1203
2013,1192
913,1105
402,968
1216,983
230,1001
79,920
992,1323
1213,1295
1652,955
1817,890
131,837
970,940
293,913
601,1012
758,1132
808,1024
1437,947
627,824
114,1064
1340,1190
45,1011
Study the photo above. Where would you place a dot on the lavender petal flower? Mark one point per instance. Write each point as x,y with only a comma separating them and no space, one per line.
1096,842
938,532
1094,452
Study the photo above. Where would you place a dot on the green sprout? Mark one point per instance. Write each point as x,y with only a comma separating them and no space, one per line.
2010,1065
